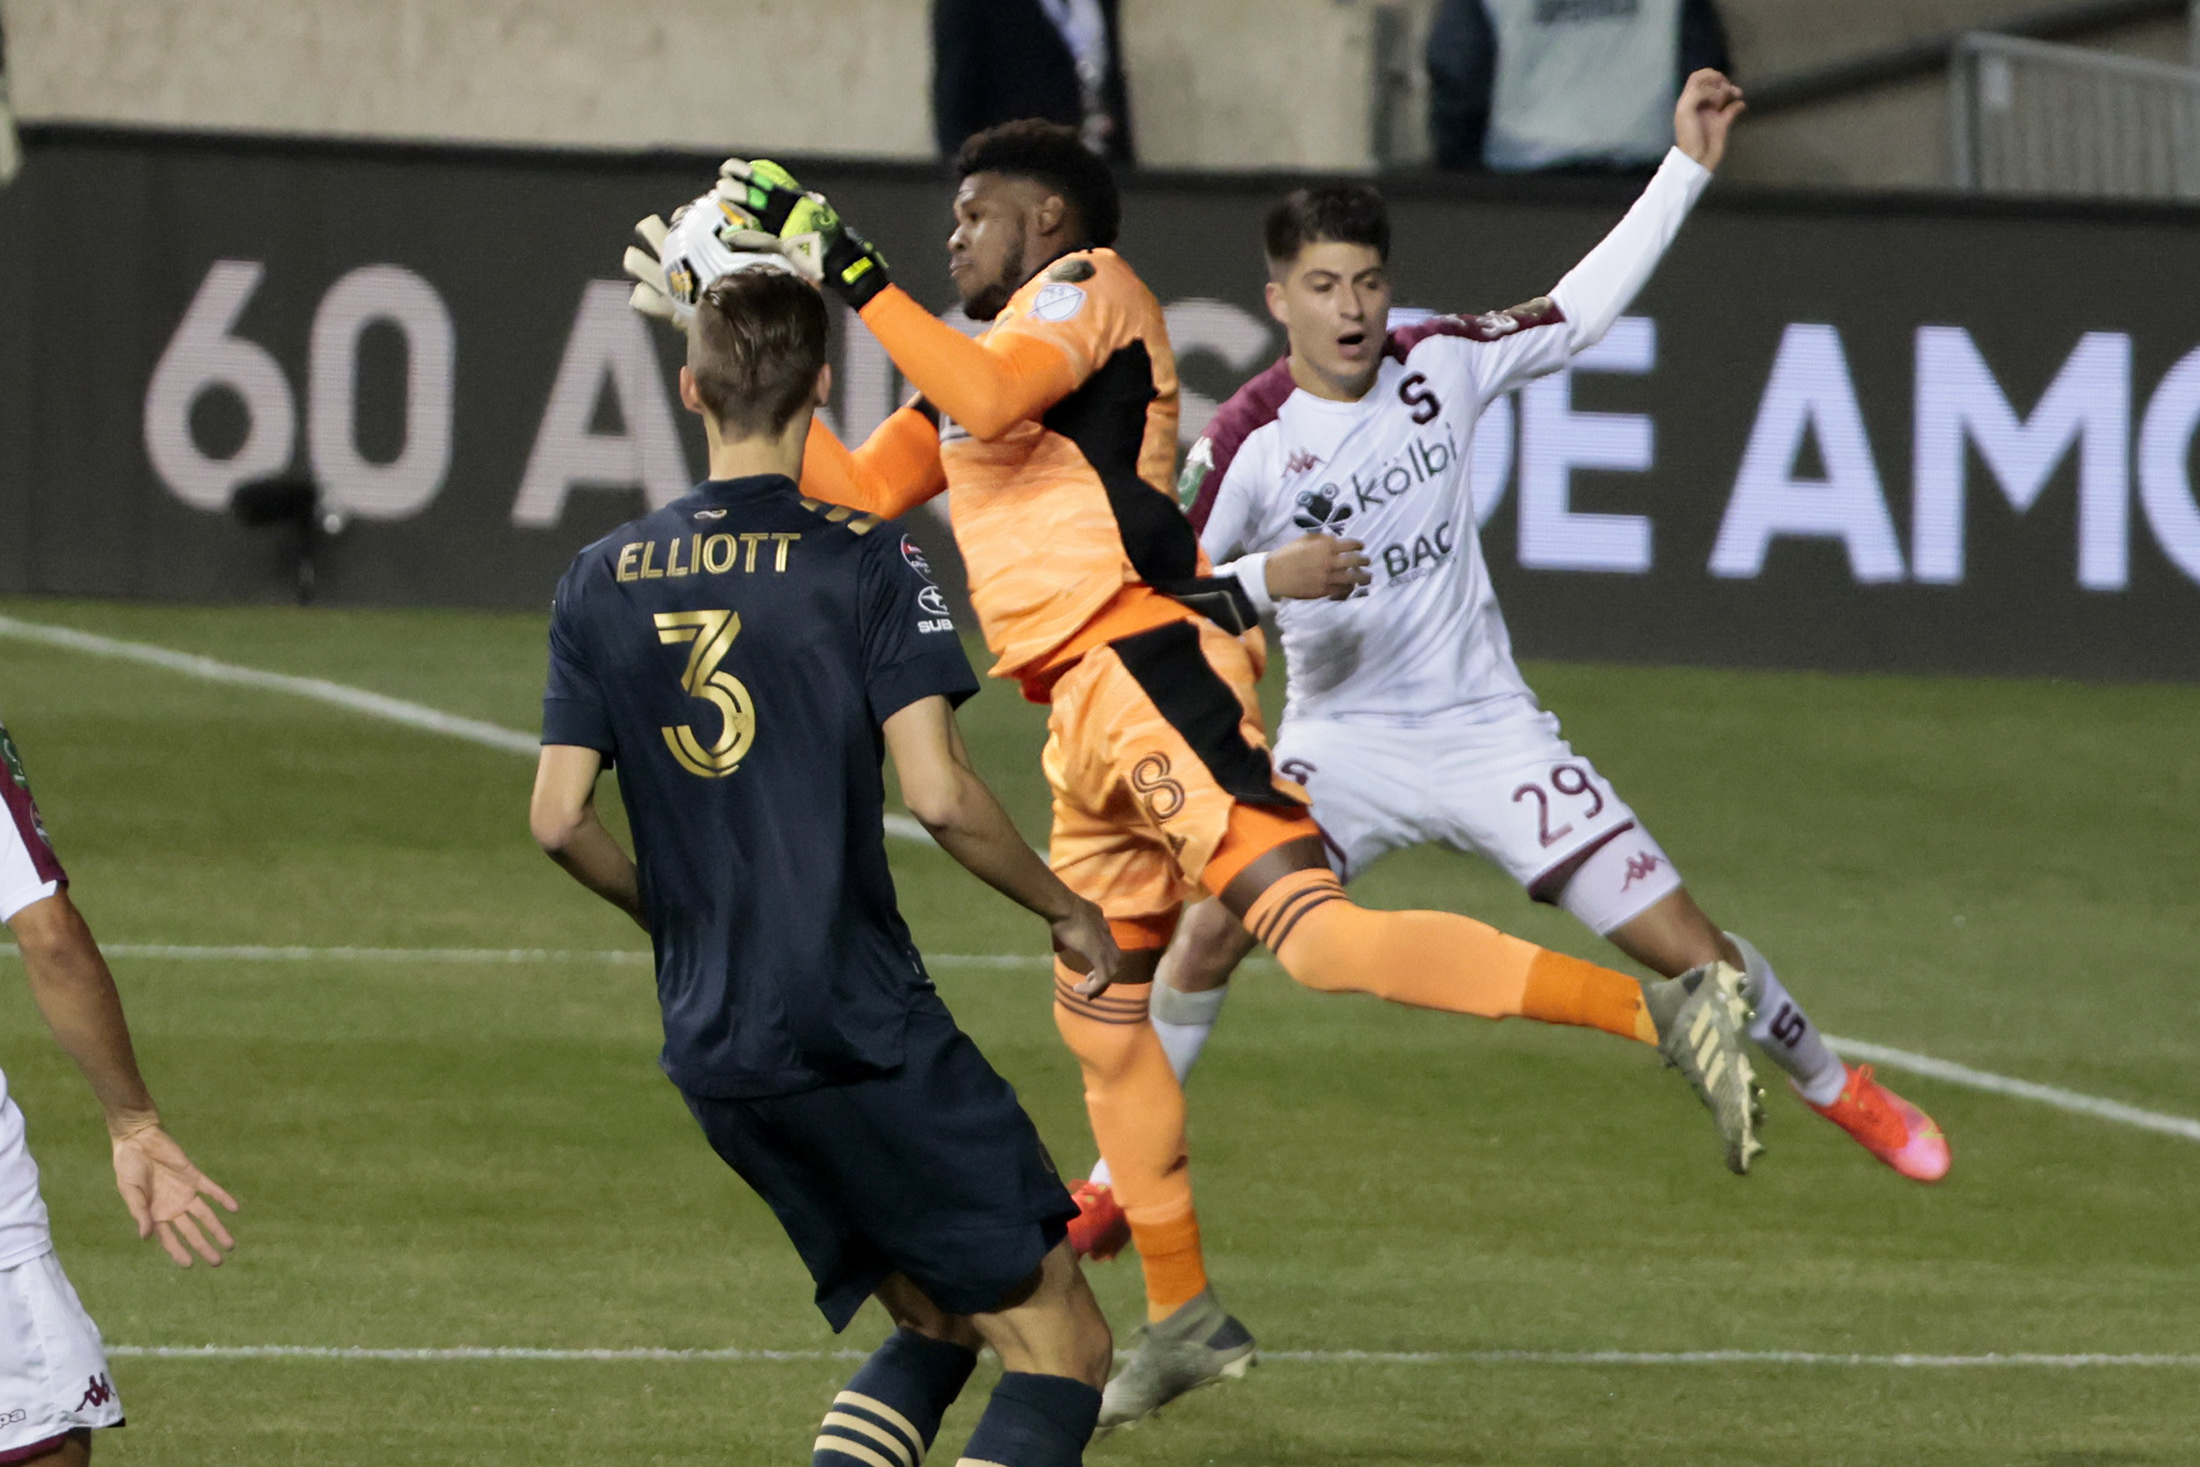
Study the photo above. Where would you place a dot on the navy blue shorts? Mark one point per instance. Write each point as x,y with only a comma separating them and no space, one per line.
931,1170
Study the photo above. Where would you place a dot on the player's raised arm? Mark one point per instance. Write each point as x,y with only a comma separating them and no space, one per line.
1609,277
167,1195
986,386
954,804
893,471
1595,292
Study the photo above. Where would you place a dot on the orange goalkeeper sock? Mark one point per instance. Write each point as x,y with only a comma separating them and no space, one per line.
1137,1112
1436,960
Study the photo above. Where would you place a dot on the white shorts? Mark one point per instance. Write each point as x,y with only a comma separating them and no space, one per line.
53,1371
1510,790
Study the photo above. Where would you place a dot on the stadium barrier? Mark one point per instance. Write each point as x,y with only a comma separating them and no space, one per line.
1865,433
2028,117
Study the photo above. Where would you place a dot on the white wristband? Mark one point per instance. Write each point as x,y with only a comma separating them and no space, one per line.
1252,573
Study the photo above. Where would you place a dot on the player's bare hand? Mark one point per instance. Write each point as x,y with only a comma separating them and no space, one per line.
1317,567
1707,109
1084,942
167,1196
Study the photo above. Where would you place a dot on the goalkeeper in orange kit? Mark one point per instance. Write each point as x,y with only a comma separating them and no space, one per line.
1055,436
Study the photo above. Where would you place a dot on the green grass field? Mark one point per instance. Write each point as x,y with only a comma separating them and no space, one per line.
437,1154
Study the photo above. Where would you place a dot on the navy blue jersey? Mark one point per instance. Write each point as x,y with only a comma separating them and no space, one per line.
733,656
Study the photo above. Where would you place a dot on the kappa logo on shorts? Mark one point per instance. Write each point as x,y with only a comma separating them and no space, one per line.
1640,867
98,1393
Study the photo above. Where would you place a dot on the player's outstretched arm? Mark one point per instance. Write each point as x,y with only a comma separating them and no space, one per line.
1609,277
563,816
166,1194
896,469
987,387
949,800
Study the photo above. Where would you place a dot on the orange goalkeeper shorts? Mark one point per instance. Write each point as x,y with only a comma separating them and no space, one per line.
1160,772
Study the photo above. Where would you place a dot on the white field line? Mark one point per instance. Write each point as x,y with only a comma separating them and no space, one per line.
1296,1357
489,735
1946,1071
320,690
2054,1095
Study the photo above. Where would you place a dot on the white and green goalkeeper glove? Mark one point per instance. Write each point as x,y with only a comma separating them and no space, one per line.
806,228
674,264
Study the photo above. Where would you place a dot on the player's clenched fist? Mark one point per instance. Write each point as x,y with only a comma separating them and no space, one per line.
1708,106
809,230
1317,567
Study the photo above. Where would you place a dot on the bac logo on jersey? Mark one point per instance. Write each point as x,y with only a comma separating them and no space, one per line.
914,555
1059,301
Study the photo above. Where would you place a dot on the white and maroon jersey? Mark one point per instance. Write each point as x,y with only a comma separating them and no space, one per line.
1424,637
29,870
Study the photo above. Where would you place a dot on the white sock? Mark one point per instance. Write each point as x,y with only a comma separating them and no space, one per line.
1786,1034
1182,1021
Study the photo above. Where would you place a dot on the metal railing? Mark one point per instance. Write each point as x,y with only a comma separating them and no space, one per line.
2029,117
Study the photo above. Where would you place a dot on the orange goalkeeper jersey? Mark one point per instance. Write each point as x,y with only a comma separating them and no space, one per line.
1057,446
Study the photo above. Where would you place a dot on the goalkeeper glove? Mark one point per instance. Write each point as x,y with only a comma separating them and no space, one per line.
680,261
807,229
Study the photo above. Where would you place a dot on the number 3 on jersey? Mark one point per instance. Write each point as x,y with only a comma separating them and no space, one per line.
712,633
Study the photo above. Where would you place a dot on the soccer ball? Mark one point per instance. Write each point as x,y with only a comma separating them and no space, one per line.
695,253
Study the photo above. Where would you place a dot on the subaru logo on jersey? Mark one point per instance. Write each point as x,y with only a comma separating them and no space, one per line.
931,600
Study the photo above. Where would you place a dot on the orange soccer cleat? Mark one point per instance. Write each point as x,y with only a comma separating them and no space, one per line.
1100,1230
1889,1127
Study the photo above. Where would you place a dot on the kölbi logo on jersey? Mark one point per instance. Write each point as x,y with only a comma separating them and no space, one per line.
1421,460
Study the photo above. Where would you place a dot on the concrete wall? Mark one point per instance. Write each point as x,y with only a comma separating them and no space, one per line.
848,77
1214,83
1220,83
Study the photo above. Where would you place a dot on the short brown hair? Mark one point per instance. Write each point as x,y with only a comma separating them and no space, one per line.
1335,213
756,348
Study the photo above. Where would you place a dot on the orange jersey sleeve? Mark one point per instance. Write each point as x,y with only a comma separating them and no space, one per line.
896,469
987,386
